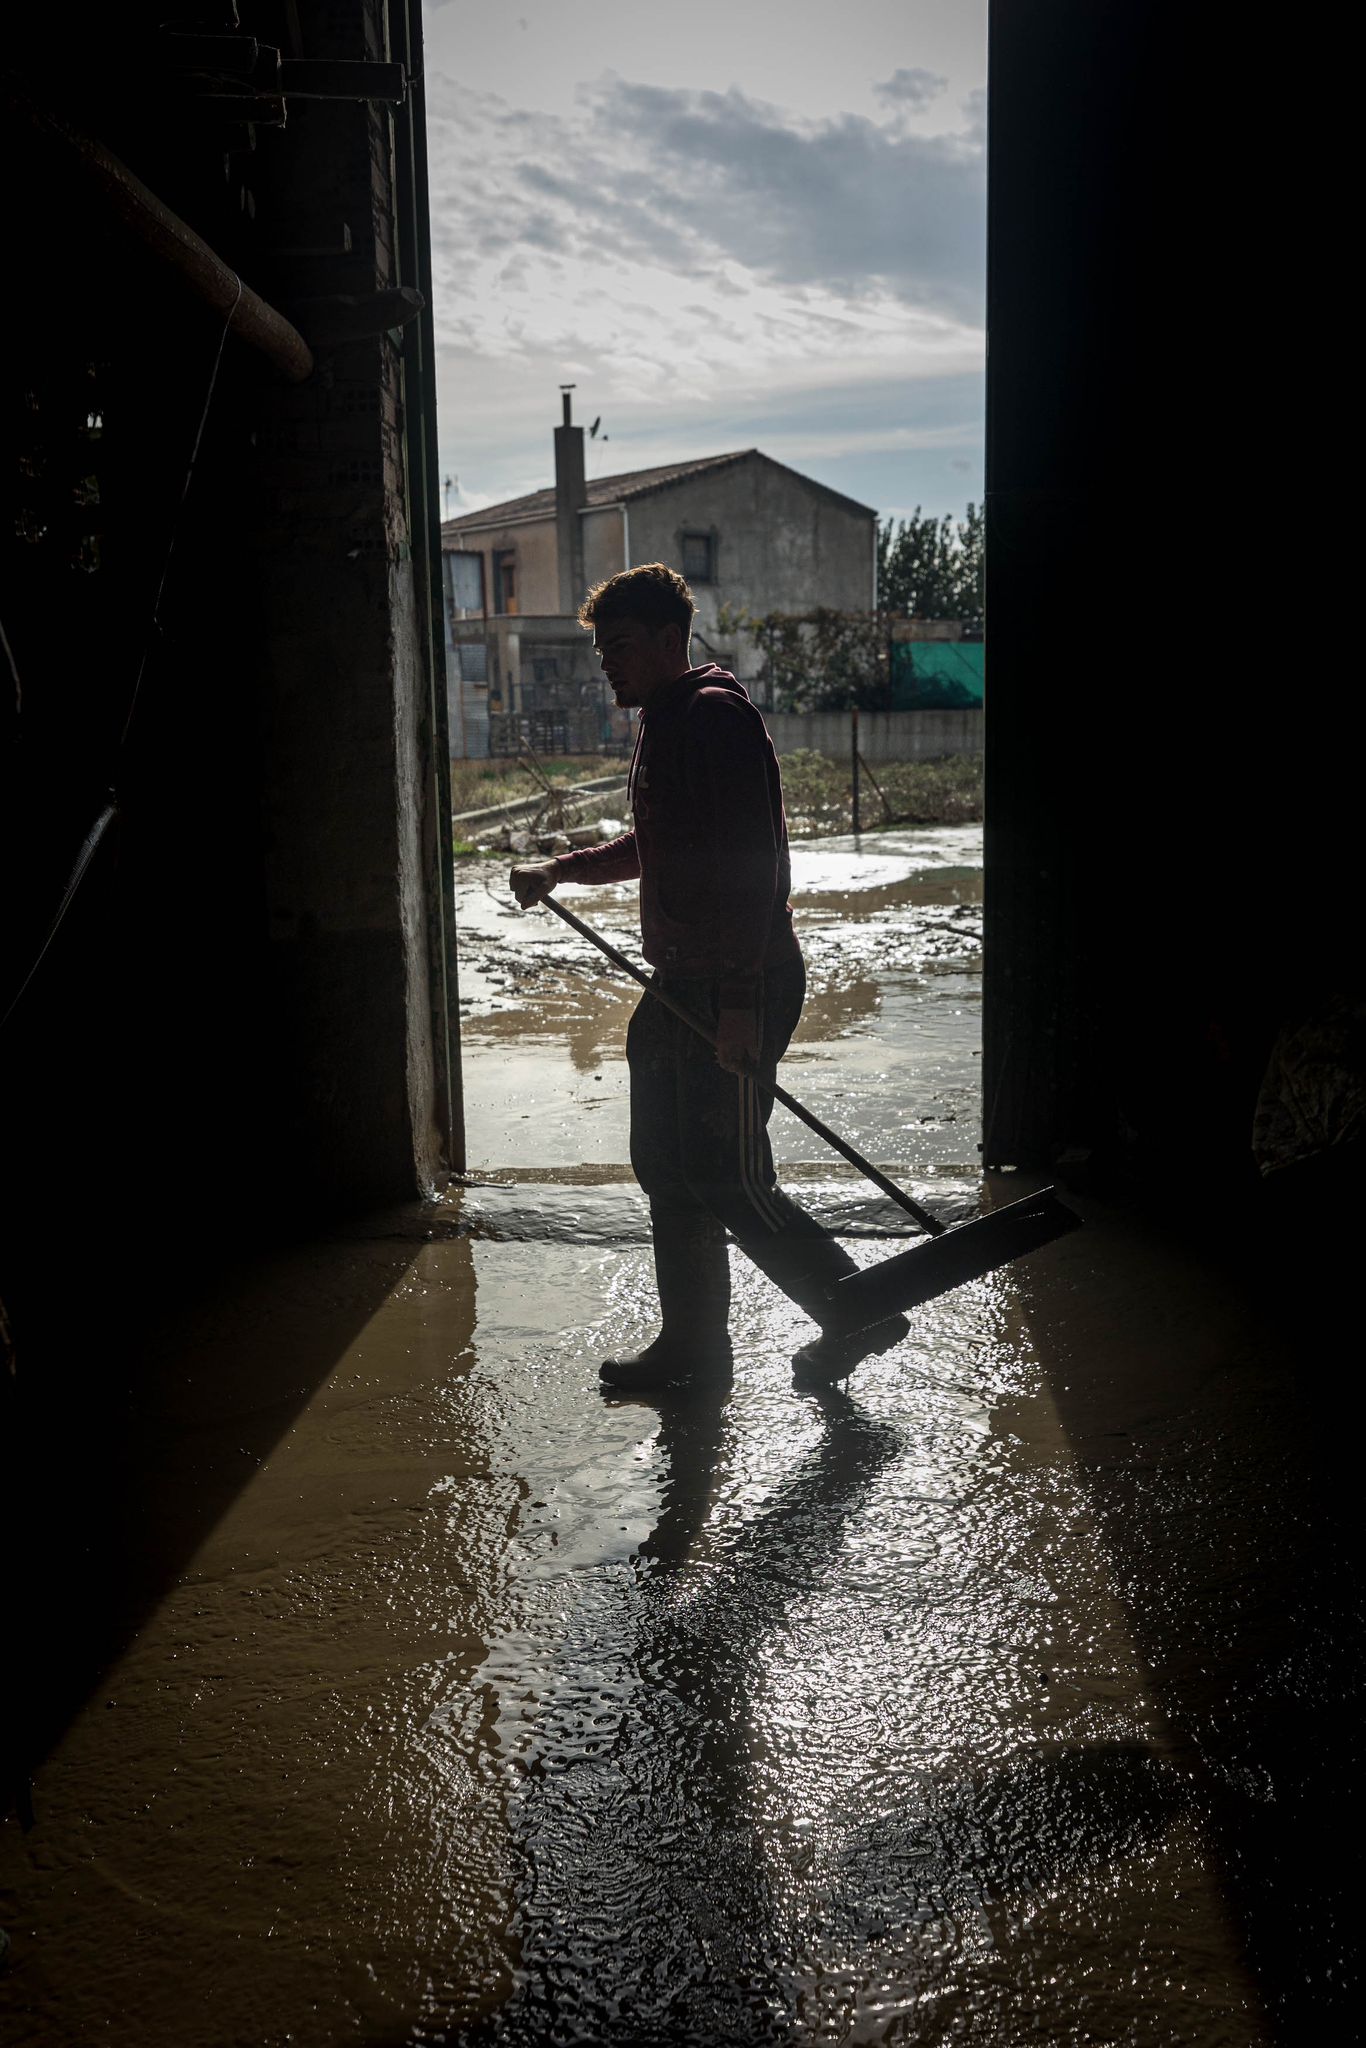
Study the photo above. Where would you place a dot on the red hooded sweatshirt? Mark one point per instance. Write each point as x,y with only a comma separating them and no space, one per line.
710,838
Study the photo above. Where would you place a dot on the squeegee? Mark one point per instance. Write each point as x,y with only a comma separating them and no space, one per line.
954,1254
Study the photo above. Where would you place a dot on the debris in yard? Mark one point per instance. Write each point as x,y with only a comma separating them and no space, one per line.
593,835
530,839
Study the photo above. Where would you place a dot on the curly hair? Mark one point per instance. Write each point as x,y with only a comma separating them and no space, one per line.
653,593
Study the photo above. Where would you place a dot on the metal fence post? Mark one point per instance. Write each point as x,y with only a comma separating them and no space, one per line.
853,743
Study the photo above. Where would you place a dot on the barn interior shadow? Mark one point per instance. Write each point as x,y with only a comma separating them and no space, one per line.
146,1396
1201,1381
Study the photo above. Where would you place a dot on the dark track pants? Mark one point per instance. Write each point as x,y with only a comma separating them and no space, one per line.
700,1150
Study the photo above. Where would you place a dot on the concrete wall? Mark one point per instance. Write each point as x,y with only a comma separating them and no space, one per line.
781,544
233,1034
533,544
346,714
604,545
882,735
267,993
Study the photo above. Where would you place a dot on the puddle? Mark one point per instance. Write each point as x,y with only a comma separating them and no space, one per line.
496,1713
531,1210
499,1714
888,1049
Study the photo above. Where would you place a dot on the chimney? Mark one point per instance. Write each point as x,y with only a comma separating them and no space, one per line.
571,495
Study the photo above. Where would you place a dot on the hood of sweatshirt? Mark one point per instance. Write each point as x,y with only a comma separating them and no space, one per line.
710,676
670,700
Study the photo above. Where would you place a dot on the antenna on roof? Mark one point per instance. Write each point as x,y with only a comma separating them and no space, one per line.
593,430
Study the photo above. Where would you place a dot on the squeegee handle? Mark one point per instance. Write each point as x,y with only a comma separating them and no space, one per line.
865,1166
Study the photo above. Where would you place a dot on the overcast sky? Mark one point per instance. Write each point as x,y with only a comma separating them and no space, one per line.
730,223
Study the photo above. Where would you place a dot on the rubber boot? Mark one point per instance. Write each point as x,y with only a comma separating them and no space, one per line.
831,1356
834,1354
806,1265
692,1273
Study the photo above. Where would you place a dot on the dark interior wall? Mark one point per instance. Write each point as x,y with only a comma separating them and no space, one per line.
1171,860
244,1009
346,652
240,1026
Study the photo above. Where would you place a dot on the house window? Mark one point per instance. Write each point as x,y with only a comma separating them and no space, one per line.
466,576
545,668
505,581
699,557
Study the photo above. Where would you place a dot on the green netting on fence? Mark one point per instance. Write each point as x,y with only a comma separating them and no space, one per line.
937,675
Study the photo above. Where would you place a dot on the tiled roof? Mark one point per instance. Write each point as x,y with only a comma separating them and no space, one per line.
611,490
602,490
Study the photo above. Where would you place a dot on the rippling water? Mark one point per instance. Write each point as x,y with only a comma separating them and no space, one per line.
888,1048
494,1711
810,1727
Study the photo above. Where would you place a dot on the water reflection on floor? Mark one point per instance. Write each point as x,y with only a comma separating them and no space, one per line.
812,1729
494,1711
498,1713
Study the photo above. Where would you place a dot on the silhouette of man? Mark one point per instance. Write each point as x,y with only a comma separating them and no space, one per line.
709,844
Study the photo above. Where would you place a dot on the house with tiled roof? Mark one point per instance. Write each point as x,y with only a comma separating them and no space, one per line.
750,535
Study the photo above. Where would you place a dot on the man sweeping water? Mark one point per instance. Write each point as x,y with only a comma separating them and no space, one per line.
709,845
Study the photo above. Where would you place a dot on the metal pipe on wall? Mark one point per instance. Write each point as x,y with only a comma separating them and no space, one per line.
173,241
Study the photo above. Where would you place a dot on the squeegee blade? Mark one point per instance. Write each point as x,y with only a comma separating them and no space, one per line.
939,1264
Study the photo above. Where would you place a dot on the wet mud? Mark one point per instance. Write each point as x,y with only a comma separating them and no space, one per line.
476,1707
891,929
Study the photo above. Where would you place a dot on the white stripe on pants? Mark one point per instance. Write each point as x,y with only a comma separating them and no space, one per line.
751,1157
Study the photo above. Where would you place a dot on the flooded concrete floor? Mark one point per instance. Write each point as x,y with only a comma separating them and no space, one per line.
468,1705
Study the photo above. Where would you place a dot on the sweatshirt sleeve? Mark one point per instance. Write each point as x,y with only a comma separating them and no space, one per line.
726,752
616,860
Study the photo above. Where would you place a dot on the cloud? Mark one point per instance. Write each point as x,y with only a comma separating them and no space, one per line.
847,203
911,91
682,180
692,257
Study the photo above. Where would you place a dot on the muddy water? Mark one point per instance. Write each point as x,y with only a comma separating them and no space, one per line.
820,1725
891,929
494,1711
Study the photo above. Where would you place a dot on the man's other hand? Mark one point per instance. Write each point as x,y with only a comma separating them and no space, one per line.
534,881
739,1035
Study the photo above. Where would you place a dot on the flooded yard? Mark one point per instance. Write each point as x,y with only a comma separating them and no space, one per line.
888,1049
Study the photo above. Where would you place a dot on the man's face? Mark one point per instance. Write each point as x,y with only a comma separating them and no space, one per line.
637,658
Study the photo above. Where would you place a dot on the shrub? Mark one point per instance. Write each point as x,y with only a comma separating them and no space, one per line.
818,792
